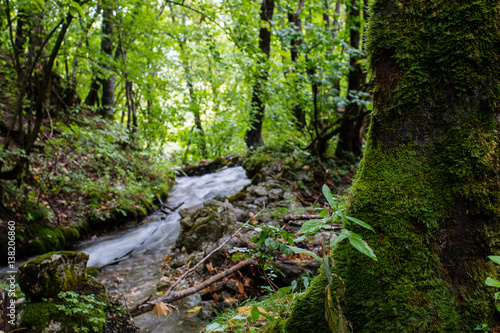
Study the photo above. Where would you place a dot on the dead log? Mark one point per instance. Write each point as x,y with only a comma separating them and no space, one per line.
147,306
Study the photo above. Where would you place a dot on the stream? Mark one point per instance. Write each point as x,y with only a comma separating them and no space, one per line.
140,249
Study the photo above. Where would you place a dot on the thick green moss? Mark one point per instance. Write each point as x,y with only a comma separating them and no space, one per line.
209,218
70,316
48,274
92,271
37,315
429,182
239,196
309,310
47,238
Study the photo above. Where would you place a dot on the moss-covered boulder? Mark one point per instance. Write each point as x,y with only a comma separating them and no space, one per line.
85,309
51,273
62,299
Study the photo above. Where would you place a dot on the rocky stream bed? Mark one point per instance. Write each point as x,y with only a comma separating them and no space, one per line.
205,217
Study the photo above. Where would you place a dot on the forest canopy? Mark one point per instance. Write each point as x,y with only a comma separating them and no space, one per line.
191,76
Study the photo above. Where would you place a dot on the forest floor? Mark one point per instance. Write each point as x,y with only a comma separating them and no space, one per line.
86,177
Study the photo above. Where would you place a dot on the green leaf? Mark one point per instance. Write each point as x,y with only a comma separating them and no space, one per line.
73,10
337,240
363,247
350,234
341,214
492,282
495,259
361,223
299,250
215,327
312,226
256,313
326,267
328,195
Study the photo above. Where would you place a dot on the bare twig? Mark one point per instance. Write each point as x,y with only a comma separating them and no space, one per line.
175,295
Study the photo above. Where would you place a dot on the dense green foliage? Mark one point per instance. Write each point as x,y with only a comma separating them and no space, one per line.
85,179
99,97
200,59
174,81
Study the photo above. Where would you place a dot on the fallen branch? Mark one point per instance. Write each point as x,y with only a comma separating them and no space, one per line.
210,254
175,295
289,218
175,208
171,296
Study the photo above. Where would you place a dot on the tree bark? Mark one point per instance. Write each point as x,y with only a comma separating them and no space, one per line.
253,136
108,84
193,102
132,124
429,182
294,18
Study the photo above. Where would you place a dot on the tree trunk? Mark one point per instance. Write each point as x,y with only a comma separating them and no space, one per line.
93,95
294,18
108,84
253,136
350,136
193,102
132,125
429,182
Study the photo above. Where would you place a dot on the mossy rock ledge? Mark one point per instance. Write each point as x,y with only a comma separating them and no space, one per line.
51,273
85,305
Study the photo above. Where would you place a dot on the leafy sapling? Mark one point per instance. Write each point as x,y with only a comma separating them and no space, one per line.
338,215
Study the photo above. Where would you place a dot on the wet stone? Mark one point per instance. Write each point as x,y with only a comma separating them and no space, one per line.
261,201
276,194
51,273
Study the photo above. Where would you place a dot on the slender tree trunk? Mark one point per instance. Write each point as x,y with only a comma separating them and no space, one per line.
349,145
132,125
93,95
27,139
294,18
333,28
429,183
253,136
109,83
193,102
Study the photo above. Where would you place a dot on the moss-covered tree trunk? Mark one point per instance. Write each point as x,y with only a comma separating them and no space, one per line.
429,182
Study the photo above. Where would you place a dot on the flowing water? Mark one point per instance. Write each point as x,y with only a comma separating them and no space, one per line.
140,249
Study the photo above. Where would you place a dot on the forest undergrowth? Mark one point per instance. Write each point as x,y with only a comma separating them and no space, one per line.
85,177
